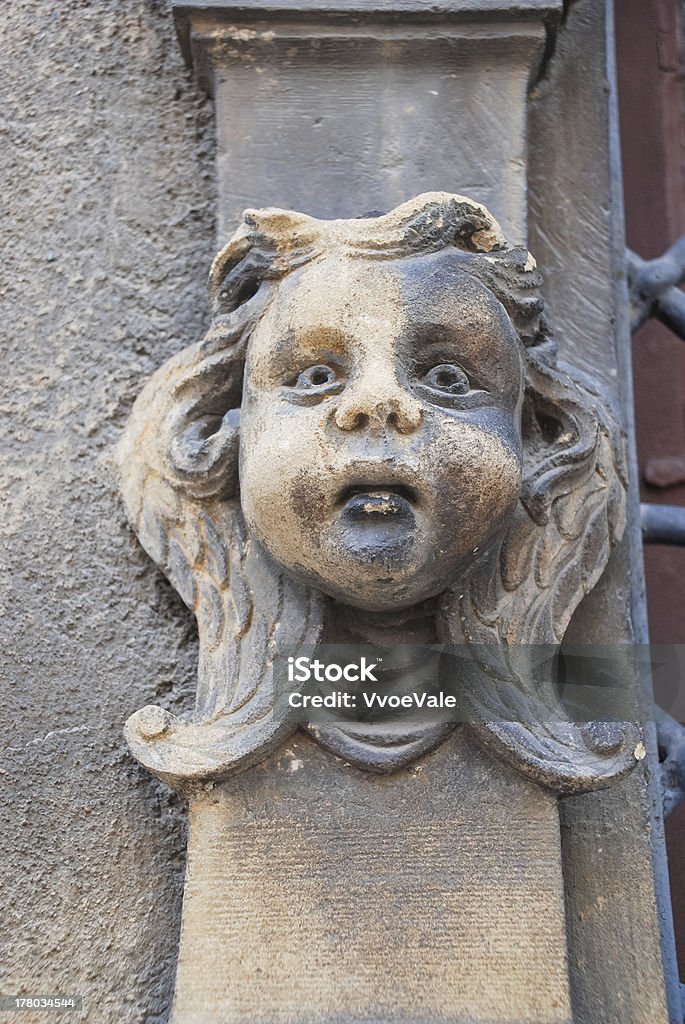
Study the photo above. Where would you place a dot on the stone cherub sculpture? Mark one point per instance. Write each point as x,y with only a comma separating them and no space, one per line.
374,441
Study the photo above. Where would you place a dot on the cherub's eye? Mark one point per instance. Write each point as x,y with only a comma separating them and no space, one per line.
315,384
448,379
315,377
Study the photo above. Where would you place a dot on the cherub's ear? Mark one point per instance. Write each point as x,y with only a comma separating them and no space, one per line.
561,423
204,448
573,491
203,425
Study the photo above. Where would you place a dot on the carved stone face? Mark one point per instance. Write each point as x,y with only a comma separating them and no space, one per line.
384,447
380,426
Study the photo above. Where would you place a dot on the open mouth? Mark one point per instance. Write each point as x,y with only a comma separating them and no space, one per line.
362,500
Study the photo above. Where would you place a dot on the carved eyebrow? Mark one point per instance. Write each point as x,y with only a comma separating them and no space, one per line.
457,314
330,335
454,332
435,330
458,342
318,342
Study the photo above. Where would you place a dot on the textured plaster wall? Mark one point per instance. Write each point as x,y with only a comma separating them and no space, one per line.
108,195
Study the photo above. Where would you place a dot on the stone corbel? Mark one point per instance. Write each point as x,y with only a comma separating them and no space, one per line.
380,101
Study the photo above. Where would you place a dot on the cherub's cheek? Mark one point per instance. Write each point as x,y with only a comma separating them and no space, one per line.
477,477
281,456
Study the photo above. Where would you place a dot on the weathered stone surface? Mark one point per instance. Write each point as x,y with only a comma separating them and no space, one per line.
576,222
108,201
364,386
318,893
108,186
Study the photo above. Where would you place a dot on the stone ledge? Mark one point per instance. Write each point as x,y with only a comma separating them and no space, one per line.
187,13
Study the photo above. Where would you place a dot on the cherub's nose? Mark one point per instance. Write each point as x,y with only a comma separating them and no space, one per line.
378,407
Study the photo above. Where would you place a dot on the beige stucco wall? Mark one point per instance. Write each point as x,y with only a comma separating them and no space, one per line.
107,178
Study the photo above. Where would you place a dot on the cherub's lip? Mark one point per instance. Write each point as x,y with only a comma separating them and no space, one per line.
378,493
367,502
382,476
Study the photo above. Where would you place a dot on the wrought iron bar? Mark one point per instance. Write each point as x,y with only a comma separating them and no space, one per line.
662,524
654,291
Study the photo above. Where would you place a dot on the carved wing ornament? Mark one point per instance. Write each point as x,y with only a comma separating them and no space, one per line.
184,451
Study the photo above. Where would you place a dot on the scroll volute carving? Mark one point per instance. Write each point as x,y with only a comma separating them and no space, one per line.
375,439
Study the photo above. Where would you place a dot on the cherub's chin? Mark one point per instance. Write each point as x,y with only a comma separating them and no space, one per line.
378,545
381,559
372,560
377,590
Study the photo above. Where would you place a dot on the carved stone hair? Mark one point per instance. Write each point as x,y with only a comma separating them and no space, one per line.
178,466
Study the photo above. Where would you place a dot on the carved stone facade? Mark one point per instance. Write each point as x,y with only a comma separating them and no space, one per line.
381,439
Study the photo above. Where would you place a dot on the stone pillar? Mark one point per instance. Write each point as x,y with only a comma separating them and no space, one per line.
316,891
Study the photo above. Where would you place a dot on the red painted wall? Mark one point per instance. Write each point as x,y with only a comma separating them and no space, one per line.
649,45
